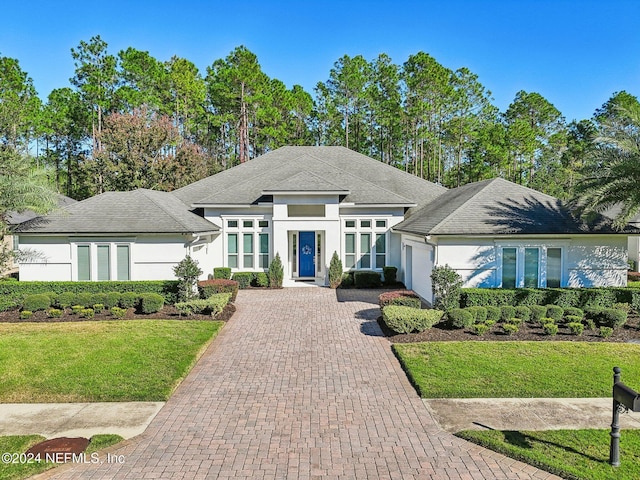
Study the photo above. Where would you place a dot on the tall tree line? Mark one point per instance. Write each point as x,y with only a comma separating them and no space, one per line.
129,120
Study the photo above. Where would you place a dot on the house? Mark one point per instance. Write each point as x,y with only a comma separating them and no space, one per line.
305,203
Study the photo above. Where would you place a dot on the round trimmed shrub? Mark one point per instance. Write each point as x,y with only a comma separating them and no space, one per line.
576,327
262,280
480,328
65,299
222,273
493,313
546,321
573,312
129,300
75,309
25,314
550,329
479,314
39,301
507,312
611,317
118,312
537,312
87,313
460,318
515,321
54,313
555,312
112,299
523,312
606,332
390,274
510,328
98,307
151,302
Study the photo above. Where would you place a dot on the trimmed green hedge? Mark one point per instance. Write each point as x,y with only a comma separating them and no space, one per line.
563,297
403,319
408,298
209,306
208,288
367,279
12,294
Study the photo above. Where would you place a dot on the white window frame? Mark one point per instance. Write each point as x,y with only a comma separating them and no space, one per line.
372,230
93,245
542,260
240,230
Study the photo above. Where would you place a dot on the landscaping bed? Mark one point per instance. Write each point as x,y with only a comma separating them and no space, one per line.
168,312
442,332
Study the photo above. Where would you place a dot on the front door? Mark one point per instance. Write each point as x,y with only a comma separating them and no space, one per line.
307,266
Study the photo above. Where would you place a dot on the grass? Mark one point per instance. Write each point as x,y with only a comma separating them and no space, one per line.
571,454
20,444
517,369
98,361
633,284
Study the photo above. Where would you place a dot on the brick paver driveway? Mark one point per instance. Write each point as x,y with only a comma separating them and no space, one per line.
300,384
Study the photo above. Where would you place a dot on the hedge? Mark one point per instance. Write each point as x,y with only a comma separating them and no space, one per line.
460,318
12,294
562,297
220,285
403,319
151,302
367,279
244,279
209,306
408,298
390,274
222,272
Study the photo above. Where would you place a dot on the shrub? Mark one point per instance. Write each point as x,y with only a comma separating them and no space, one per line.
606,332
38,301
222,273
25,314
98,307
589,323
484,297
555,312
209,306
576,328
54,313
408,298
523,312
493,313
151,302
480,328
129,300
610,317
118,312
87,313
85,299
537,312
335,271
510,328
112,299
187,272
490,323
347,280
220,285
403,319
515,321
625,307
76,309
65,299
445,285
507,312
573,319
573,312
244,279
390,274
550,329
367,279
530,296
262,280
597,297
100,298
479,314
546,321
564,297
276,272
460,318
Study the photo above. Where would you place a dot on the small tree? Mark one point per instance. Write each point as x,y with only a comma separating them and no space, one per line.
446,284
276,273
187,272
335,271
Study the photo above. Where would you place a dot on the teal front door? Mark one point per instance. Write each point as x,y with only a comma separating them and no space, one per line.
307,266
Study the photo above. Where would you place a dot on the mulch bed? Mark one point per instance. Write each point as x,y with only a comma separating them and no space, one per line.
168,312
630,332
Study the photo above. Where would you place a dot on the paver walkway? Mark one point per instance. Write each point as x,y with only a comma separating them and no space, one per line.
300,384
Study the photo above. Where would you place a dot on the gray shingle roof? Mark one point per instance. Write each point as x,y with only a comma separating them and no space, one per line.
137,211
500,207
304,182
368,181
15,218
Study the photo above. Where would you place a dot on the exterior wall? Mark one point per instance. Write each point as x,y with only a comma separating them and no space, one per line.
151,257
417,264
634,252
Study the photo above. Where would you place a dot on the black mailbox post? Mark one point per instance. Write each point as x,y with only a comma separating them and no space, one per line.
624,398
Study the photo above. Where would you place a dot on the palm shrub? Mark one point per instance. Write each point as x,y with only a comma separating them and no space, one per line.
276,272
187,272
446,285
335,271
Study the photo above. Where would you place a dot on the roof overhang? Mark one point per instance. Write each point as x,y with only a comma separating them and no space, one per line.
306,192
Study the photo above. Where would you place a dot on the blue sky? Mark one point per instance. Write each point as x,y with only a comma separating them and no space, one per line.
575,53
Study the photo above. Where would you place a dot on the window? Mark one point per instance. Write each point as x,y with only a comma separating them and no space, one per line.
381,224
232,250
263,259
319,253
350,250
365,250
294,254
247,250
350,224
232,223
305,210
122,253
84,263
104,262
263,223
554,267
509,263
381,250
365,223
531,266
247,223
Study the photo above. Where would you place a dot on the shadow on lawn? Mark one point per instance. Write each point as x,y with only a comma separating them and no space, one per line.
522,440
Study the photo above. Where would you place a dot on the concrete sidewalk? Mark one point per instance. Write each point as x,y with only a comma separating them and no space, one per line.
52,420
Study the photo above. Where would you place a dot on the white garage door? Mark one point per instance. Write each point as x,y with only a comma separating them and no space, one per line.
419,264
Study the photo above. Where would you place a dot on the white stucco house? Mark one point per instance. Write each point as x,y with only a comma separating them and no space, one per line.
307,202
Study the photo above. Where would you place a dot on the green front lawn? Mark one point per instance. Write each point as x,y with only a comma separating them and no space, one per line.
518,369
15,468
98,361
572,454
